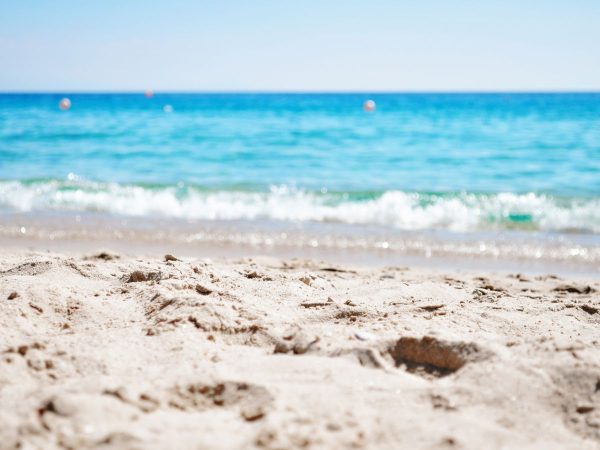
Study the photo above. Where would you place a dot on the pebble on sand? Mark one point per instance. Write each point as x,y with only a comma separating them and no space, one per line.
306,280
589,309
574,289
364,336
104,255
137,276
203,290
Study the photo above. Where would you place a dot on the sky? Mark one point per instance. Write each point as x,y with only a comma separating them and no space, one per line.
300,45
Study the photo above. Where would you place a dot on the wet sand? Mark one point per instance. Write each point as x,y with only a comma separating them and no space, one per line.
106,350
530,252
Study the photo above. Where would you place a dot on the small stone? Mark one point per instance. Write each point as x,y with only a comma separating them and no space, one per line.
584,409
574,289
13,295
63,406
38,308
589,309
431,307
282,347
306,280
136,277
253,412
364,336
202,290
169,257
290,333
450,441
302,344
106,256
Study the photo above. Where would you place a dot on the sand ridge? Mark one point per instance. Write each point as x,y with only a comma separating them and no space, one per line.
112,351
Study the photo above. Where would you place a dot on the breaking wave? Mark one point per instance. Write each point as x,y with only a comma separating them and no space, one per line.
402,210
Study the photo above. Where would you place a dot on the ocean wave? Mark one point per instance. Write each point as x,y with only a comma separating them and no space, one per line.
459,212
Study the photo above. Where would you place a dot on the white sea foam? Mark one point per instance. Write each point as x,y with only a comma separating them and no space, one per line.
401,210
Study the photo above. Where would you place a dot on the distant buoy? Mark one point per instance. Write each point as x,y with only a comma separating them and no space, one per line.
64,104
168,108
369,106
149,93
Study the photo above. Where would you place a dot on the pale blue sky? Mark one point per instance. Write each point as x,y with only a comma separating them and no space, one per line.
278,45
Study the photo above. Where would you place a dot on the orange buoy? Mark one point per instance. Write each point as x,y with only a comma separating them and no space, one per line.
149,93
64,104
369,106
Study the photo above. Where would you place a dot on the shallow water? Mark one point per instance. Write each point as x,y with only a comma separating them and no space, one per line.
457,163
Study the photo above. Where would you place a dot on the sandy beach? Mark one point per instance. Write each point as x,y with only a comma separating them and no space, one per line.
106,350
303,225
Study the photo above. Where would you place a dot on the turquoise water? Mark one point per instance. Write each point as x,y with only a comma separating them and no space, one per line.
457,162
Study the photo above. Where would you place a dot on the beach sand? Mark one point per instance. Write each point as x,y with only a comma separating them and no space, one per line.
104,350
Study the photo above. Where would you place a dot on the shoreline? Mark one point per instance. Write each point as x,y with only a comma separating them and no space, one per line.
532,253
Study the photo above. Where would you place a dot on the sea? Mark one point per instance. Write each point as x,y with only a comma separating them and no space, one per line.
492,175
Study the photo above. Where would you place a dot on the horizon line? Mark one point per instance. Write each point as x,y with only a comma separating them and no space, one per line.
300,92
